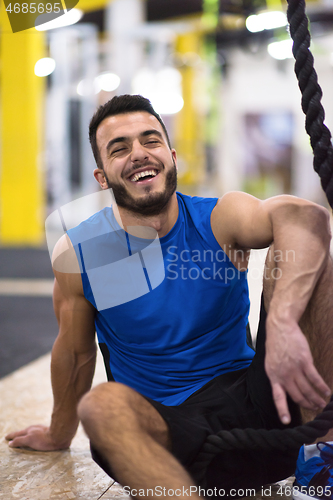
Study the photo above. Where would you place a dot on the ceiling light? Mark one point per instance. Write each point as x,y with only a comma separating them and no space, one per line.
163,88
107,81
45,66
88,87
281,50
266,21
70,17
167,103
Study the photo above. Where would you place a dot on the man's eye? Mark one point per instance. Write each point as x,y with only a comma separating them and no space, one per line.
118,150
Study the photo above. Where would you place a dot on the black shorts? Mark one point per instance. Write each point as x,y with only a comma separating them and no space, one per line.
240,399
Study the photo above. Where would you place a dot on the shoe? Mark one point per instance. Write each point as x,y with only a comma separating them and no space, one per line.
314,472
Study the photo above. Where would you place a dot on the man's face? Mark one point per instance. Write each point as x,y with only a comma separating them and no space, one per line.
138,163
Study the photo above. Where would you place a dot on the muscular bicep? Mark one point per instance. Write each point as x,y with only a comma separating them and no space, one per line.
241,220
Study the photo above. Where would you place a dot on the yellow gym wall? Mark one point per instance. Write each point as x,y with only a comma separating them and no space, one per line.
22,93
21,108
189,123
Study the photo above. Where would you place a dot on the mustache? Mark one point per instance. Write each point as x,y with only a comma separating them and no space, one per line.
158,166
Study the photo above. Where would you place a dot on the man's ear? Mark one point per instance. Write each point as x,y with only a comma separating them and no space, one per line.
100,178
174,155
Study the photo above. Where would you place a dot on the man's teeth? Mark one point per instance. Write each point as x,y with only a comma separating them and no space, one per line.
138,176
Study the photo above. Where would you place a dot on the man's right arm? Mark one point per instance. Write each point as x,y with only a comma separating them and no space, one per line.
72,366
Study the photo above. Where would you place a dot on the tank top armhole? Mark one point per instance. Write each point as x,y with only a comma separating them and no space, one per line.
205,227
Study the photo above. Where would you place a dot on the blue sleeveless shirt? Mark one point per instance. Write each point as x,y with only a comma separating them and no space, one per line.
173,337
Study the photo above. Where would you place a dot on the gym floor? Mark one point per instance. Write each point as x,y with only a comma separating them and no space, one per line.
28,329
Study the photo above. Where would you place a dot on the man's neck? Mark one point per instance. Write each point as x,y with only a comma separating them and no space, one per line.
161,223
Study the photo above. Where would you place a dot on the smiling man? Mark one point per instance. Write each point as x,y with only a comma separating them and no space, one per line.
146,185
177,358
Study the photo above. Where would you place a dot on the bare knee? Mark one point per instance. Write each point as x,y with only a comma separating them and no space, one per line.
106,409
110,404
115,408
110,397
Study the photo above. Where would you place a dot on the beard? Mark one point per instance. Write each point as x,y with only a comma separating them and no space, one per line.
152,203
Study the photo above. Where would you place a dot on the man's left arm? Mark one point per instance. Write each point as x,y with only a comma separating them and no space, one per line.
301,235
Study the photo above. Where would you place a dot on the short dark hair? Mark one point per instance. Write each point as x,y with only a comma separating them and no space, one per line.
116,106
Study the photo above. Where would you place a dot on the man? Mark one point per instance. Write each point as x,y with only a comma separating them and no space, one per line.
178,354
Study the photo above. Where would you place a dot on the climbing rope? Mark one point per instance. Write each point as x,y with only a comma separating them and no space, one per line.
263,439
320,139
320,136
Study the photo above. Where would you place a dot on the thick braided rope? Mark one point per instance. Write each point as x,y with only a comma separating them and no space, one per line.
320,136
251,439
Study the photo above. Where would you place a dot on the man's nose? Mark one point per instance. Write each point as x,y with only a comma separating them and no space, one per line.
138,152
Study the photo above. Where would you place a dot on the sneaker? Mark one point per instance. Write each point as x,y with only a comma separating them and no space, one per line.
314,472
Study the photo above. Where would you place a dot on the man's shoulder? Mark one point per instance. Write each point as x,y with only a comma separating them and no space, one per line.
197,212
97,224
195,199
198,203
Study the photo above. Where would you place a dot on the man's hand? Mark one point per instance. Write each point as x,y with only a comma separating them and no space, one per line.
36,437
290,369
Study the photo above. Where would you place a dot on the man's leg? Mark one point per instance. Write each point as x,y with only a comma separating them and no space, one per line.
316,323
133,438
